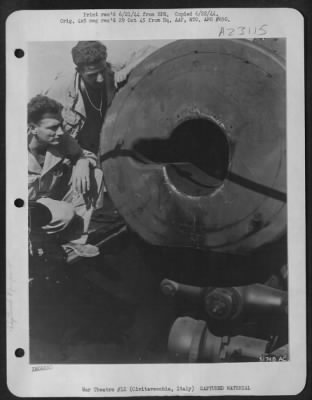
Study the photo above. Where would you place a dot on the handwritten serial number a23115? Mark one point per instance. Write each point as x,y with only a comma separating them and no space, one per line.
243,30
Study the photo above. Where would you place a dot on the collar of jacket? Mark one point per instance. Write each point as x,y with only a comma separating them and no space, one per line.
75,95
53,157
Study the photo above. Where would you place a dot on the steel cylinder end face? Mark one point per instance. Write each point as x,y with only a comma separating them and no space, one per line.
203,151
195,156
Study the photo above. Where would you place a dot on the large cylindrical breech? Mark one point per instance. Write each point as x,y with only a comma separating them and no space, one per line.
193,147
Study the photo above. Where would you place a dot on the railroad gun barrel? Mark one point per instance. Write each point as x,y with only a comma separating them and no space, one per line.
193,146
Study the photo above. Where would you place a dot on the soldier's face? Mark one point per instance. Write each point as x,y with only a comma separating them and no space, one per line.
93,75
48,129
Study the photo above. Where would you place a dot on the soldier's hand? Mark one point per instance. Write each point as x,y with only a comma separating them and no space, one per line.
81,176
121,76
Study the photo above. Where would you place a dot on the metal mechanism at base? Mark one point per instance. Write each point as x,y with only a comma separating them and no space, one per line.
191,341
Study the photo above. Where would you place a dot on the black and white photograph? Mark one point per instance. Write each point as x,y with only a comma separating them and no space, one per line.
157,195
158,217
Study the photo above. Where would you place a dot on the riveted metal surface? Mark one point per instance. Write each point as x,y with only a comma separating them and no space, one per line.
238,86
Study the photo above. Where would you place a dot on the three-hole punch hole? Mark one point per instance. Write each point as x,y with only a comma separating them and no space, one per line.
19,203
19,53
19,353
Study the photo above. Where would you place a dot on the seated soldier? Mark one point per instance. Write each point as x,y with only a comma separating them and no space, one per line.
87,91
61,176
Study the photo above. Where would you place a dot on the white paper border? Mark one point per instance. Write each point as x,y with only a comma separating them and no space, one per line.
67,380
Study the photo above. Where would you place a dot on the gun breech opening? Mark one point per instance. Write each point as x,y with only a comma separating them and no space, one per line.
196,155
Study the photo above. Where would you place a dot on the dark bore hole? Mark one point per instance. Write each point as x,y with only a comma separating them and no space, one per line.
19,53
18,203
196,156
19,353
